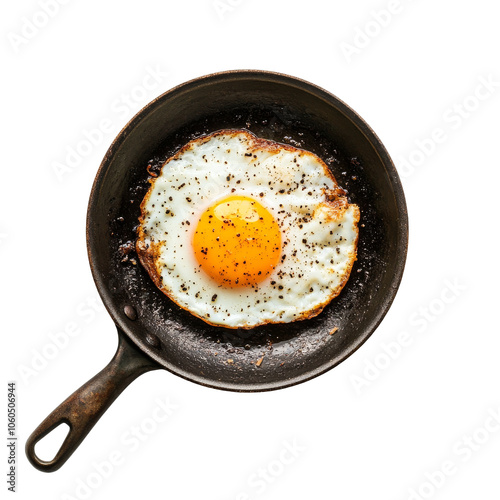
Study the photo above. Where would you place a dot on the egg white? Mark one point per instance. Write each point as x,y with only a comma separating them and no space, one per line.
318,228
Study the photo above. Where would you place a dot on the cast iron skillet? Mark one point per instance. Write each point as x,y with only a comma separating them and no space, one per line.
155,333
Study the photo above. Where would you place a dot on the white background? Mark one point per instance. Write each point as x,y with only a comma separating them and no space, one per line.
374,427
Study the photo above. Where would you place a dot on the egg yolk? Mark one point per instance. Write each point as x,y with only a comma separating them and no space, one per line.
237,242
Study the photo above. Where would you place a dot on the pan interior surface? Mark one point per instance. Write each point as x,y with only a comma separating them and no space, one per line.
273,107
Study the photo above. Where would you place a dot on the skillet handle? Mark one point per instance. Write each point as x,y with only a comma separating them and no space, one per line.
84,407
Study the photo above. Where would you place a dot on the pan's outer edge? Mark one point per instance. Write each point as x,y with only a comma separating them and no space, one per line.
403,228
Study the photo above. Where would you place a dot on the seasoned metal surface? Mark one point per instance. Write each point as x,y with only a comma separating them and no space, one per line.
274,107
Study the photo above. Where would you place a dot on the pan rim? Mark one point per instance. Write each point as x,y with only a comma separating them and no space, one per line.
371,137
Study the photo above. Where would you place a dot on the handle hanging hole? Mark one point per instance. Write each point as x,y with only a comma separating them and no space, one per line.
47,448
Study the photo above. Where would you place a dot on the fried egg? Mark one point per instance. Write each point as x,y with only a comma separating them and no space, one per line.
242,231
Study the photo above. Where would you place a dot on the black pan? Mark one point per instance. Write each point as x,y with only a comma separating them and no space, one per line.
153,332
